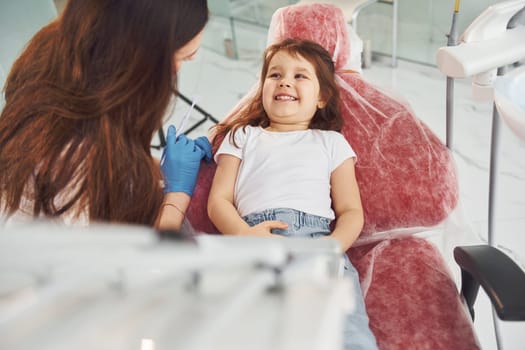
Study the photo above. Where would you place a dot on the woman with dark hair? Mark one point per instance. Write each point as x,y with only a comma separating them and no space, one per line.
82,104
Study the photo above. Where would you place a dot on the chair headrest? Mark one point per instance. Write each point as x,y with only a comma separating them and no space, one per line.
324,24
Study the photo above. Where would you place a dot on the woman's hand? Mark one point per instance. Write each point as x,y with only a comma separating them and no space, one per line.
205,146
181,161
264,229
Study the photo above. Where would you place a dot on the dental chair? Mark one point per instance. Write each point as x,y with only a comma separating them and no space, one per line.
351,10
408,187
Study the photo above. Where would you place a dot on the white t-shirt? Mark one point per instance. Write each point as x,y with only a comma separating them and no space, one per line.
75,216
24,215
286,169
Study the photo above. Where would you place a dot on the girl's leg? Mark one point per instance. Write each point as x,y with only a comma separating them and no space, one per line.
357,333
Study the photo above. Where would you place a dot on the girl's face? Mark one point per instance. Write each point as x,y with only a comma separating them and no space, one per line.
290,93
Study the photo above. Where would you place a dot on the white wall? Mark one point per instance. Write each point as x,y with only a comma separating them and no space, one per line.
422,25
19,21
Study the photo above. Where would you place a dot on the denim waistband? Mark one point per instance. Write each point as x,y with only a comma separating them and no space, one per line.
299,223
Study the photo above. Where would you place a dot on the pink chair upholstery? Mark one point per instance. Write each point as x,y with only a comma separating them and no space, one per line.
407,180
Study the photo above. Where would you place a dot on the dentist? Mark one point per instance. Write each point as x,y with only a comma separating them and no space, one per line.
82,104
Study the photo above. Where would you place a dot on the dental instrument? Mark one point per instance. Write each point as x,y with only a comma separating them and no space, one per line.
205,115
182,125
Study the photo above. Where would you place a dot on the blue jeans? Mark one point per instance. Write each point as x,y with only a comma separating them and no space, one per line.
357,333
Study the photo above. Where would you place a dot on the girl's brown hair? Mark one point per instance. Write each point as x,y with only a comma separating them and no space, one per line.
327,118
83,102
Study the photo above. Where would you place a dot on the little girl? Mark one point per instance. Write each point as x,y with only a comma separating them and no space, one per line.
283,168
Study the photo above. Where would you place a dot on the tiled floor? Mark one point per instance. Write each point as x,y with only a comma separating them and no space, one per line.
219,82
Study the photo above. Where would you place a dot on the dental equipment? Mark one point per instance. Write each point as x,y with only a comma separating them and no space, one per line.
351,10
489,44
116,287
205,117
485,45
452,41
182,125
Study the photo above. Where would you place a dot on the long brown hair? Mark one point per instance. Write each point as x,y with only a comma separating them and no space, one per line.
83,102
327,118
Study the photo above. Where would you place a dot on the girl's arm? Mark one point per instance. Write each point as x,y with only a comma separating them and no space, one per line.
346,202
221,208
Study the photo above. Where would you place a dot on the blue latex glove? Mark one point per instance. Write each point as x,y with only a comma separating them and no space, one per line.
204,144
181,161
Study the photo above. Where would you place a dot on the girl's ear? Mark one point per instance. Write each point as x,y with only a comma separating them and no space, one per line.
323,99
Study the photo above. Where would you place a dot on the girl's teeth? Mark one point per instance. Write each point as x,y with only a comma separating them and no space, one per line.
288,98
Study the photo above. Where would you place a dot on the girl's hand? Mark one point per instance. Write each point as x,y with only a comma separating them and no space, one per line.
264,229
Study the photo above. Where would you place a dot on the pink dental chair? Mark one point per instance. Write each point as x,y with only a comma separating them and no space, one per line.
408,184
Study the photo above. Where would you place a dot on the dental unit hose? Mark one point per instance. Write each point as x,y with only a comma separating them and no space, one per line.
451,41
453,35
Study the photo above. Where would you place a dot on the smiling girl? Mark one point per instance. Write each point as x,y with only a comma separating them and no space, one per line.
283,168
